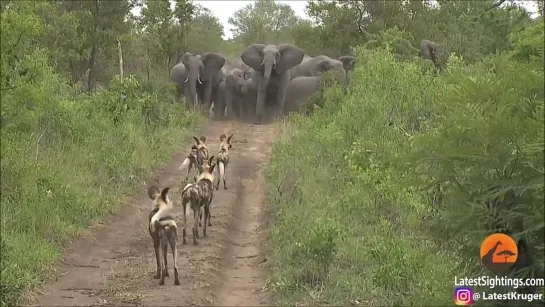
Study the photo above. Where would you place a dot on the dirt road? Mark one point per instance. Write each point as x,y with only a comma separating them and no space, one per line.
114,263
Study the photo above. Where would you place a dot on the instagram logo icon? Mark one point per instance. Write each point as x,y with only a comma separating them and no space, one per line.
463,296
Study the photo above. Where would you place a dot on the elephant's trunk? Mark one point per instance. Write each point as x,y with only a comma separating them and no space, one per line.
268,63
193,77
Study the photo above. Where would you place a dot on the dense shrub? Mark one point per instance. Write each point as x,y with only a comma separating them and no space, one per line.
68,160
394,175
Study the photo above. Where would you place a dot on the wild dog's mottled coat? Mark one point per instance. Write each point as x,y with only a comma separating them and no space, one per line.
199,195
163,231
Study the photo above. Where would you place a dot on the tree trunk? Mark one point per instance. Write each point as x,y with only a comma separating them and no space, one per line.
92,57
120,60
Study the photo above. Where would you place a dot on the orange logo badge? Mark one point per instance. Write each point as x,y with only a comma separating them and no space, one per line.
499,252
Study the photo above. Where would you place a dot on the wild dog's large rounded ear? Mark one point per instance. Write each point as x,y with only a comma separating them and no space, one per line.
153,192
197,141
164,194
229,138
222,137
203,139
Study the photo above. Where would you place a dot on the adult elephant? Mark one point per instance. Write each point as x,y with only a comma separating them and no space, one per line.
231,93
299,91
271,64
318,65
430,51
198,76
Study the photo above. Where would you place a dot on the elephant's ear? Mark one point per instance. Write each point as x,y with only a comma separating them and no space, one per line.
252,56
290,56
185,58
213,62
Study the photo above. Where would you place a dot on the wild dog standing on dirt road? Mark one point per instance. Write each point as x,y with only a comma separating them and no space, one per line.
197,155
199,195
163,230
202,150
223,159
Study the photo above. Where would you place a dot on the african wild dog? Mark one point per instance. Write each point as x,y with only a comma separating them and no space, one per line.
222,159
199,195
197,155
163,230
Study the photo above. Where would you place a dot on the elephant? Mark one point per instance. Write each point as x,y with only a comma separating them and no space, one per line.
430,50
231,93
299,91
271,65
315,66
204,69
322,63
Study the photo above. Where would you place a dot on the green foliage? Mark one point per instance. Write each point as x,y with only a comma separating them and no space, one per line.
265,22
205,32
398,41
68,158
402,166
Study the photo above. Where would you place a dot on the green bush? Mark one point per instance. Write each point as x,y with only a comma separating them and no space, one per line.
390,177
67,161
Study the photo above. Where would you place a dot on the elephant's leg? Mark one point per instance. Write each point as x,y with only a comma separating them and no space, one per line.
281,96
229,102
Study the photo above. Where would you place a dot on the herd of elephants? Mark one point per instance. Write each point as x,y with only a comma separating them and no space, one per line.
269,79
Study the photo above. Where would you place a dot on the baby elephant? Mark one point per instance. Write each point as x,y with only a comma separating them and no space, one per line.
230,93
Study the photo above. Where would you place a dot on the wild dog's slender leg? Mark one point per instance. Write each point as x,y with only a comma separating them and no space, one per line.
200,218
184,242
165,250
188,170
195,222
164,268
172,236
209,210
156,243
224,176
206,221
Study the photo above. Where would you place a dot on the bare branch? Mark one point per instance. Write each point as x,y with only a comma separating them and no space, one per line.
17,42
495,5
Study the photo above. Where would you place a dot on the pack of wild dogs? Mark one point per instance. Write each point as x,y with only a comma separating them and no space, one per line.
196,198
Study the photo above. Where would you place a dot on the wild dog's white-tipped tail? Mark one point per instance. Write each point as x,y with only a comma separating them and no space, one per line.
222,170
184,164
186,186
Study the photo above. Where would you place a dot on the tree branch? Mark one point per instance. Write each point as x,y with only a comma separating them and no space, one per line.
495,5
17,42
17,86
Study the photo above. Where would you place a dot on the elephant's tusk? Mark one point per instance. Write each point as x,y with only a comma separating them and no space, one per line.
200,82
186,79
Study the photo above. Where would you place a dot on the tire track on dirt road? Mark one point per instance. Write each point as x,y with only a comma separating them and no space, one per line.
114,262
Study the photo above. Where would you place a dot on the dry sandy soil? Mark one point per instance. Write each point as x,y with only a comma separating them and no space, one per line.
114,263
